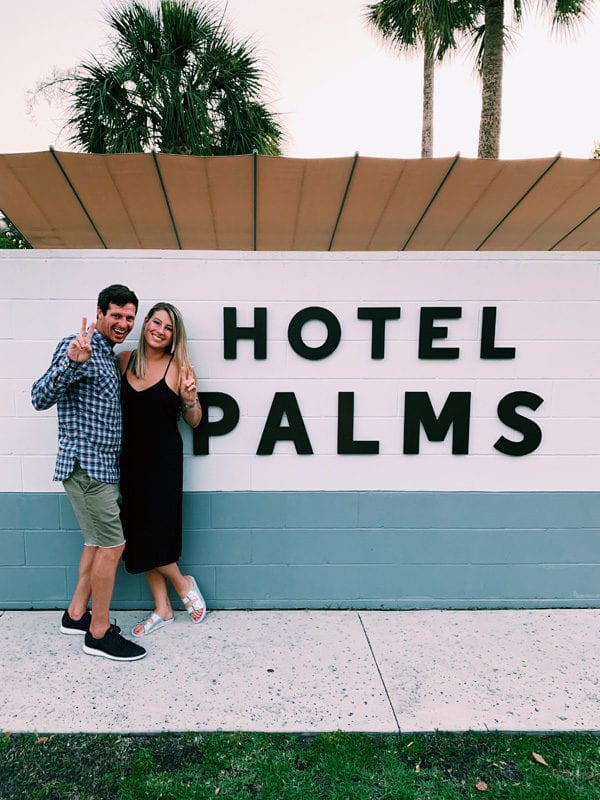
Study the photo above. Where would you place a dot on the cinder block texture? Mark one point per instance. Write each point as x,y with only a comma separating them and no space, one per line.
386,550
323,341
416,430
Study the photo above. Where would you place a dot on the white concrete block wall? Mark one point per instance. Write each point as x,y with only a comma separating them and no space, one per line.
547,308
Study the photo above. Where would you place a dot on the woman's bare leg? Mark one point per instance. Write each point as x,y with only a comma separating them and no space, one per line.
162,604
181,584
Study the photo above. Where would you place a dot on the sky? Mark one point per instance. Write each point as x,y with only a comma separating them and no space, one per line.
338,89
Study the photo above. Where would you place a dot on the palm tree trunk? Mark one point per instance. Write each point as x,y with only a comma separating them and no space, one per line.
427,129
491,94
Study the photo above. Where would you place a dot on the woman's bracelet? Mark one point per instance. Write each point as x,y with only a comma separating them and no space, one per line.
189,406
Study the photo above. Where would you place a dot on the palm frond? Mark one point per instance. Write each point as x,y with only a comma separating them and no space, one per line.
176,80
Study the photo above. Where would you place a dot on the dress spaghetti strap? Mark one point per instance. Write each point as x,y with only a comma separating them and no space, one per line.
168,365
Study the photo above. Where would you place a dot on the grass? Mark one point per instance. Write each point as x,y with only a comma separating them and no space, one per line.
333,766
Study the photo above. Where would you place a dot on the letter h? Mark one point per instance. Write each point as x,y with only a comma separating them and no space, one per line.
232,333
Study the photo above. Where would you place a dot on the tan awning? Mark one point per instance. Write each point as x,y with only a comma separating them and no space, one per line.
75,200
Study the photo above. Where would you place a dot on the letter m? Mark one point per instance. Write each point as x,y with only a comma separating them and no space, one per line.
455,414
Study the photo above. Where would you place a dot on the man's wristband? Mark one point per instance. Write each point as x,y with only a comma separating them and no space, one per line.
189,406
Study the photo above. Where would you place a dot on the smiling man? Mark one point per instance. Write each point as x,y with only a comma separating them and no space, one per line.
83,380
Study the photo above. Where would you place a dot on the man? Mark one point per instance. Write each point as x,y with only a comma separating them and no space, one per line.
84,381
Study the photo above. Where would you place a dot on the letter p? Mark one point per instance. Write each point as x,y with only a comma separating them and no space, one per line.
217,427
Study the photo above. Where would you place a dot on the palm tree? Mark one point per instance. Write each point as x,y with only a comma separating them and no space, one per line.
176,81
430,25
565,13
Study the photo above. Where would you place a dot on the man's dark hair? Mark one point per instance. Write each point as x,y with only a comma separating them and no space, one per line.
118,294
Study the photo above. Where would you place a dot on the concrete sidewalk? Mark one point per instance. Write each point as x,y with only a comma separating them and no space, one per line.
310,671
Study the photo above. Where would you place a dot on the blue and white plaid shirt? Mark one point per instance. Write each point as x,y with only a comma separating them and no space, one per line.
89,409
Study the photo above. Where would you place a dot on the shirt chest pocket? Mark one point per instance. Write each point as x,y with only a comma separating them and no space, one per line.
103,380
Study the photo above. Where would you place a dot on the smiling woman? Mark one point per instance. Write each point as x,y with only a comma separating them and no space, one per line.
158,384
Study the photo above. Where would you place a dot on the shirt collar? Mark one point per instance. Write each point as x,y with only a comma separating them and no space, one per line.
100,340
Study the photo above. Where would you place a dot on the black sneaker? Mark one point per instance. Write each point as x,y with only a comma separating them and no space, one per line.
72,626
112,645
81,626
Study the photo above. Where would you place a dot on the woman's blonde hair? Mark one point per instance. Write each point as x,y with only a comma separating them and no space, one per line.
179,345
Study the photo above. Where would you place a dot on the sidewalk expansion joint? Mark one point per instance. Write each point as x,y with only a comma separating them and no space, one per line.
385,689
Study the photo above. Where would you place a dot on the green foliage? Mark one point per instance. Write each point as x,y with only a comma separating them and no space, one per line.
176,80
427,24
6,242
332,766
10,238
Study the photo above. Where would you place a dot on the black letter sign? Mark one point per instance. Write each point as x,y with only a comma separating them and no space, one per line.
488,336
419,411
219,427
532,434
428,332
299,320
346,444
231,333
284,403
378,317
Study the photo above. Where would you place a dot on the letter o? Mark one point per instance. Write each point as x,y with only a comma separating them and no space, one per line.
299,320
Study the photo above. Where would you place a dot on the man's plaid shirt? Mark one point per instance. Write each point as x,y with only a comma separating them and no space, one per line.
89,409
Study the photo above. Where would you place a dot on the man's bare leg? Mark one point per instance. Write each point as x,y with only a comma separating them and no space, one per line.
104,569
83,590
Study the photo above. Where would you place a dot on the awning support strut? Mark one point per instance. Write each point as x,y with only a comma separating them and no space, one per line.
74,191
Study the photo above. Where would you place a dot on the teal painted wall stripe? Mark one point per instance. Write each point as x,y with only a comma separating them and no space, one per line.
335,550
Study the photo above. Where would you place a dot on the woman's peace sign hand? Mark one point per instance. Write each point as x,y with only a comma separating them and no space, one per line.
80,348
188,390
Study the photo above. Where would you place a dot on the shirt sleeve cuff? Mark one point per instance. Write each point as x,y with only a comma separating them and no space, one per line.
68,365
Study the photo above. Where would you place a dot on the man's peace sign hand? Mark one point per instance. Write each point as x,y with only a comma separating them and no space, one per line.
80,348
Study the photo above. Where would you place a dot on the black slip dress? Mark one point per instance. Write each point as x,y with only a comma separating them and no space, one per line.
151,475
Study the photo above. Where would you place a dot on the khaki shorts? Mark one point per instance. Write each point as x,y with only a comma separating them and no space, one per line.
96,507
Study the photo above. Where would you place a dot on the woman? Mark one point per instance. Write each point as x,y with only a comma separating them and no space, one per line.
158,383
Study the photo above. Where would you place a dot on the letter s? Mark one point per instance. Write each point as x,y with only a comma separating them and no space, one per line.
507,413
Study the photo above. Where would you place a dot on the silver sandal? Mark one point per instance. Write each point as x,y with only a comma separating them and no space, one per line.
196,601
